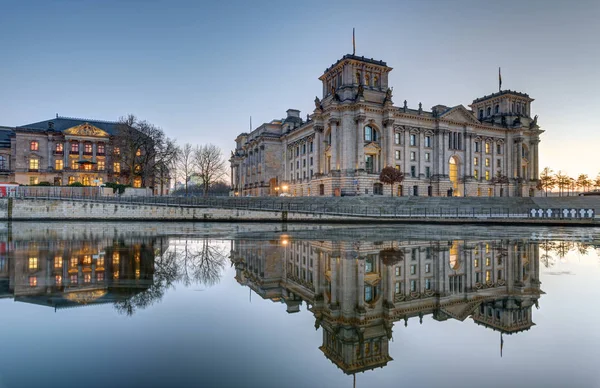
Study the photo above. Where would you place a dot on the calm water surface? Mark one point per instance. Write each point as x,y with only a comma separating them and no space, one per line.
206,305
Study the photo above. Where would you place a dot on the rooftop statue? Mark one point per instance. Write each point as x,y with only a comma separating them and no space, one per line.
317,103
361,91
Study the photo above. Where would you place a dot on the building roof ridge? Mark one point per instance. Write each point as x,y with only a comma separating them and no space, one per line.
85,119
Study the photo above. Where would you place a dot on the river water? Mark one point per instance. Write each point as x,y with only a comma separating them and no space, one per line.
266,305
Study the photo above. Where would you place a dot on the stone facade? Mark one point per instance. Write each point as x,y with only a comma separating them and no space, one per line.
356,130
63,151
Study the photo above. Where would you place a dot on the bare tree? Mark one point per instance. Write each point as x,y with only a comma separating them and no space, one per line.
390,175
185,163
210,165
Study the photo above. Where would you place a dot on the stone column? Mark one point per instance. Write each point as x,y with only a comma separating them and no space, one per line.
66,150
361,284
493,160
388,125
50,157
405,156
317,151
334,146
334,279
444,153
360,142
94,148
420,155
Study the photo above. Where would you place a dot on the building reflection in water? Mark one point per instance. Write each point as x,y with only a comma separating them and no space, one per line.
358,291
71,273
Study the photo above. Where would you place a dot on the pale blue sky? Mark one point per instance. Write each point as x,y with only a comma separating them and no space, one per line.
200,69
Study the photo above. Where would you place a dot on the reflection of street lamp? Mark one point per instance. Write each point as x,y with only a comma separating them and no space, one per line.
284,187
276,191
284,239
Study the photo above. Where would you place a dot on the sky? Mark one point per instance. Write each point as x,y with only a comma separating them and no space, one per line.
200,69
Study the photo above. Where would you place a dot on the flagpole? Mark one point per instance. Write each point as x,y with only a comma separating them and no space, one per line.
353,43
499,80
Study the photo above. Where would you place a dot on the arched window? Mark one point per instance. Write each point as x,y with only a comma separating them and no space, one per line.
376,81
489,111
3,164
480,114
367,80
358,78
370,134
497,109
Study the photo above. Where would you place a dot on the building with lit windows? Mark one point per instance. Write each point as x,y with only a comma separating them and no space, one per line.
63,151
358,292
355,130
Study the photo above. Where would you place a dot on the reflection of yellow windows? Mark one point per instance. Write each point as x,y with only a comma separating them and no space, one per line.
74,262
138,152
116,275
476,263
487,148
100,276
58,280
33,263
488,276
137,273
58,262
87,278
100,262
116,258
87,260
454,261
33,281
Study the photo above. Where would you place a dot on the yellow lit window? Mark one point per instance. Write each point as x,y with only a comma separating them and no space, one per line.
59,147
34,164
74,279
487,261
33,263
101,165
74,262
488,276
87,278
137,168
58,262
116,258
475,161
34,146
487,248
58,164
33,180
138,152
87,260
58,280
487,175
487,148
86,181
117,167
116,275
71,179
74,164
100,276
100,262
476,174
476,263
479,192
87,148
87,167
117,151
487,162
137,182
490,192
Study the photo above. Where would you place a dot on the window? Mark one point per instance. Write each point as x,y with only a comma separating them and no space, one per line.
33,263
87,278
488,276
87,148
58,164
428,284
311,160
34,146
427,268
427,172
396,138
427,141
413,155
74,279
397,288
498,163
311,146
100,149
487,162
476,161
58,262
297,164
86,181
413,285
413,269
368,293
369,163
34,164
59,148
137,182
413,140
413,171
303,149
397,271
117,167
101,165
71,179
370,134
480,114
397,167
74,262
487,175
427,156
87,167
476,263
74,148
477,146
489,111
490,192
478,191
397,154
100,276
303,162
476,174
32,281
487,148
499,149
117,151
74,164
497,109
58,280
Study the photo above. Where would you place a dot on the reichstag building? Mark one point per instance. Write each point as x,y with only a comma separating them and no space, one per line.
355,130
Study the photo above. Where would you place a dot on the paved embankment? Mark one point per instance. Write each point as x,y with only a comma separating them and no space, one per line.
315,209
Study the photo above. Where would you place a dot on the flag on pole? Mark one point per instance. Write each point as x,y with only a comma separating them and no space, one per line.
353,43
499,80
501,344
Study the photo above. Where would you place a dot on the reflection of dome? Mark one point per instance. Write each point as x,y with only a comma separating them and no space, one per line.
85,297
454,260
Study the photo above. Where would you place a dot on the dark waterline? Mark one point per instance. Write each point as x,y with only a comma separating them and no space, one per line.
138,305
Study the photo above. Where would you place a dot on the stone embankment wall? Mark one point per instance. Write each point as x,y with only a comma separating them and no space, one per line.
17,209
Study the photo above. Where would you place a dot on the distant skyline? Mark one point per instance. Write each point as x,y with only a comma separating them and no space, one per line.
199,70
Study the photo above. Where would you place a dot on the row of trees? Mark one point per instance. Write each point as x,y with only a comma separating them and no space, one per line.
566,184
145,151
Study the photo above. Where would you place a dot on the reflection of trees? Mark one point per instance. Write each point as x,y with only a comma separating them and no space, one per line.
546,259
193,262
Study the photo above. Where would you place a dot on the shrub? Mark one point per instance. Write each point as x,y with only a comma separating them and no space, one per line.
76,184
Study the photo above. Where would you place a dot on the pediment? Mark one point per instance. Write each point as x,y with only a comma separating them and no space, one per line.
85,129
460,311
372,148
460,114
